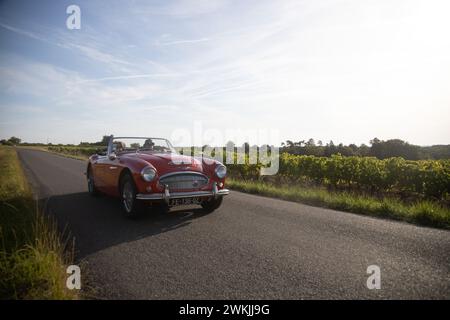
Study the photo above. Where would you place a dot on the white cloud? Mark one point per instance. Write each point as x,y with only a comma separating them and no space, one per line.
132,76
23,32
176,42
97,55
182,8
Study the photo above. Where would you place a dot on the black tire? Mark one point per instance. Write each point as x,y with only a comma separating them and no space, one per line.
92,189
131,207
212,204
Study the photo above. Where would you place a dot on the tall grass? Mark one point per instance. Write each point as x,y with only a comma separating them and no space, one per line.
33,257
421,212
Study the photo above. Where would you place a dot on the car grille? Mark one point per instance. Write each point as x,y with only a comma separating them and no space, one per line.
184,181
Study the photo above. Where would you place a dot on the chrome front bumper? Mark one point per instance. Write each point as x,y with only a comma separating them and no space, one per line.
167,195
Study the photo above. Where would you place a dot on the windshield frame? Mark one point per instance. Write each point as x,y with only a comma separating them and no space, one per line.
112,138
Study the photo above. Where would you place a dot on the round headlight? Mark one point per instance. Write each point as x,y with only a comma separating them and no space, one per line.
221,171
148,174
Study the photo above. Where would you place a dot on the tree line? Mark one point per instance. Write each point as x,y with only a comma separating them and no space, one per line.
381,149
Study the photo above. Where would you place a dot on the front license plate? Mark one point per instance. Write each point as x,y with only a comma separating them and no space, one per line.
184,201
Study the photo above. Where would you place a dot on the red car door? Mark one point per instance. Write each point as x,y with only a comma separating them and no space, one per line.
98,168
110,174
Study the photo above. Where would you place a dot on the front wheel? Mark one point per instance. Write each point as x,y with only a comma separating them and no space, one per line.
130,205
212,204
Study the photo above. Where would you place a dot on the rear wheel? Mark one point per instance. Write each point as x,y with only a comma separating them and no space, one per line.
92,189
212,204
130,205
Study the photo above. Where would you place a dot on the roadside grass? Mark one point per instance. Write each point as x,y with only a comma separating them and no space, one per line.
423,212
33,257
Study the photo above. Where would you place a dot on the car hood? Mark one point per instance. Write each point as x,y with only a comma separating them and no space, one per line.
167,162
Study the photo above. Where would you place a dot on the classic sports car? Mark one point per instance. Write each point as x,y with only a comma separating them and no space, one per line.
150,171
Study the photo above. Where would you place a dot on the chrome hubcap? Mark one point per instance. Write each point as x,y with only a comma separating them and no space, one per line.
127,196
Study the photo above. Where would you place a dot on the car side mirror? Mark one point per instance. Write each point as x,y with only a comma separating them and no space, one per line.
112,156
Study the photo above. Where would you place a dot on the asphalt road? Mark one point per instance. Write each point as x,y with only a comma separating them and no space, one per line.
251,248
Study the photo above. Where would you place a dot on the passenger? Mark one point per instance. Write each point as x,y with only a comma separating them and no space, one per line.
119,146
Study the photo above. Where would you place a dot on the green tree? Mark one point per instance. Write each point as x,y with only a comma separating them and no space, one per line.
394,148
14,140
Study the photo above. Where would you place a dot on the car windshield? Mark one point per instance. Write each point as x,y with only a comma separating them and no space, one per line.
121,145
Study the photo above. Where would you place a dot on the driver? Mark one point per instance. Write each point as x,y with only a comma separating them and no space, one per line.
148,144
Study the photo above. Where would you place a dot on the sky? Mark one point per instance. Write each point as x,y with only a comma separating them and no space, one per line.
261,71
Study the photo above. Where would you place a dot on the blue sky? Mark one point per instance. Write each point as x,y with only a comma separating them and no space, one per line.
346,71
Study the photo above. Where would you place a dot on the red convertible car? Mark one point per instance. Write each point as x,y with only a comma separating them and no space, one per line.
150,171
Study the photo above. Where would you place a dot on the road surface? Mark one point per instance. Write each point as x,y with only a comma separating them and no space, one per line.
251,248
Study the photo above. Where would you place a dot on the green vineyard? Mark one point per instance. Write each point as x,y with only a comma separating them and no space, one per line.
430,178
77,151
